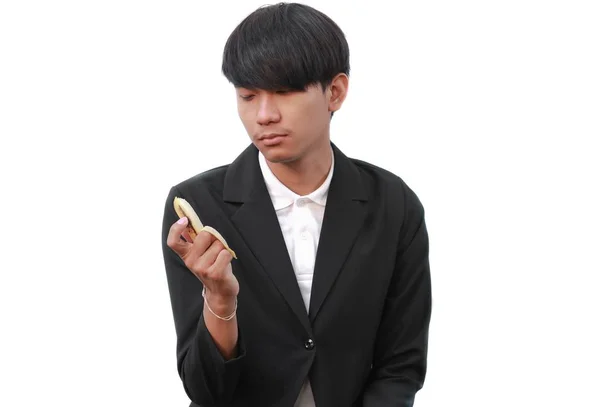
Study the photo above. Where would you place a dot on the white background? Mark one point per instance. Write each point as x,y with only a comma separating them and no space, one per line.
488,110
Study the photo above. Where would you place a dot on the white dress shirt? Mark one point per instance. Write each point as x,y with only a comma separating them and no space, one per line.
300,219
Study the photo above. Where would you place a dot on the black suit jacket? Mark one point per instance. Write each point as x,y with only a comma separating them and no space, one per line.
364,339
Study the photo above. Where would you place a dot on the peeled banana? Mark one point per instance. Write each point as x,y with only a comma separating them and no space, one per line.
184,209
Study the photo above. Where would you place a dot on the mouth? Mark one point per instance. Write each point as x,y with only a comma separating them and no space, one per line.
271,136
272,139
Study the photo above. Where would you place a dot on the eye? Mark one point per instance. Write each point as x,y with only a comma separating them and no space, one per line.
247,98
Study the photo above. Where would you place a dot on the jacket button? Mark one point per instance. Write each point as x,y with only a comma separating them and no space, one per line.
309,344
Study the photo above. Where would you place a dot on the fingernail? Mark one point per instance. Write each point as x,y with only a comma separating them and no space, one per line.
182,221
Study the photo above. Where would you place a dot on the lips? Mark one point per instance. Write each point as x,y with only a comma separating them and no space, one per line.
272,139
271,136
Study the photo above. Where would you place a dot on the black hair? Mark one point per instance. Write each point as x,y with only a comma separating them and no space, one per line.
286,46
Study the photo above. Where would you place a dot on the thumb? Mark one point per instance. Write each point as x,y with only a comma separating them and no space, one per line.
174,240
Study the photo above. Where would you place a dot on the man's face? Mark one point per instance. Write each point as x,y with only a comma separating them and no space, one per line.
286,125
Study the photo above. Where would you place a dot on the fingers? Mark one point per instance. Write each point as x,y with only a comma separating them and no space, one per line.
222,260
201,244
205,256
206,260
211,267
202,254
186,236
174,237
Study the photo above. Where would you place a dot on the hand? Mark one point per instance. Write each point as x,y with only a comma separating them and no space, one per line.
207,259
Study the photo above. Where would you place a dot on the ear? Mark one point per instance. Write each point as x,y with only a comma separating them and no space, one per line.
337,92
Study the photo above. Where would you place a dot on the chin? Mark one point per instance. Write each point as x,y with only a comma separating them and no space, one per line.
278,154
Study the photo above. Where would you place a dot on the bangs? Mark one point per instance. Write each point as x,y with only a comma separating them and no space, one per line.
286,46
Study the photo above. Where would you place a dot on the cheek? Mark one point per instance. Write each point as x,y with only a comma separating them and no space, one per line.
245,116
242,111
315,110
319,115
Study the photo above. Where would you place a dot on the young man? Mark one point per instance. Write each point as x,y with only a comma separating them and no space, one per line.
328,302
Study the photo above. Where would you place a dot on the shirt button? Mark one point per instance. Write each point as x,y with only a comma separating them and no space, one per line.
301,202
303,236
309,344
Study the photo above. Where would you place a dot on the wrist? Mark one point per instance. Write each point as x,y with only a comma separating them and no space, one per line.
221,305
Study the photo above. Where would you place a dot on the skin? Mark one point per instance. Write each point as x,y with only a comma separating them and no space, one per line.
301,160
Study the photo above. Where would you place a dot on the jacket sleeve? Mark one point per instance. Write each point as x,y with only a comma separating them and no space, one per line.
400,354
207,378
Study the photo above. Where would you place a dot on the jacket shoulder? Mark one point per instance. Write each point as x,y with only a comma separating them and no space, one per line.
383,182
373,170
380,177
212,179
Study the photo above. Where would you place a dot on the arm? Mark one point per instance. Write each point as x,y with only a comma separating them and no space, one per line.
224,333
208,377
400,355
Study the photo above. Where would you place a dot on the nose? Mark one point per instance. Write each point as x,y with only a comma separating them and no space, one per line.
268,112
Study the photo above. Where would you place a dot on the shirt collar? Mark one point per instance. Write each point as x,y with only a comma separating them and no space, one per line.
282,196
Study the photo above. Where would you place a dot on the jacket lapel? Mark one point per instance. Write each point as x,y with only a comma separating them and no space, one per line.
257,223
344,216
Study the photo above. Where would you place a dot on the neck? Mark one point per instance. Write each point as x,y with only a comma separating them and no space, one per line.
306,174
